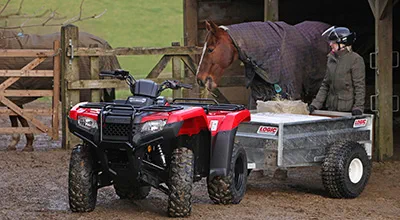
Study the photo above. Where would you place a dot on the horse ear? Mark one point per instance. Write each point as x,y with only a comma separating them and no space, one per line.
208,26
212,27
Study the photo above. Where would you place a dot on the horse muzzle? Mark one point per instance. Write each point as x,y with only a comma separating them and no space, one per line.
208,83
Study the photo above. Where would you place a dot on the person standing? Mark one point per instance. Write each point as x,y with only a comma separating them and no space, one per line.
343,88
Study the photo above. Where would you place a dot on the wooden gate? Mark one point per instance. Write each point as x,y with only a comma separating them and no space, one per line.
27,71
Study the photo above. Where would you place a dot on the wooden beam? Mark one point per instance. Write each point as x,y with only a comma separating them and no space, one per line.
20,130
271,10
94,75
27,93
25,53
383,8
159,67
26,73
190,14
226,81
189,63
219,96
69,73
135,51
43,112
97,84
231,81
191,38
29,117
8,82
56,90
384,81
176,72
106,83
372,6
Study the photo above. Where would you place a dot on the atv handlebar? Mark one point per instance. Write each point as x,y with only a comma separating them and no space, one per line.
119,74
173,84
186,86
124,75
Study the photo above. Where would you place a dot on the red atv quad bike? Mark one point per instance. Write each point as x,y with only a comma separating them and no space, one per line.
145,142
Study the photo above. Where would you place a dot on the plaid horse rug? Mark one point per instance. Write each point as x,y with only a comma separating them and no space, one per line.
281,58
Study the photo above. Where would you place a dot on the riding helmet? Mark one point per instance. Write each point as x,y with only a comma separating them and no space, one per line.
340,35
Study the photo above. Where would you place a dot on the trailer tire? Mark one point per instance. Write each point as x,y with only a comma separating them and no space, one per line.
345,170
230,189
132,193
82,181
181,182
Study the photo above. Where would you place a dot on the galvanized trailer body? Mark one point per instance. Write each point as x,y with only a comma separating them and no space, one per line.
286,140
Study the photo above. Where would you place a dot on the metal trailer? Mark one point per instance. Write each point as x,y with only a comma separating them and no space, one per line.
338,142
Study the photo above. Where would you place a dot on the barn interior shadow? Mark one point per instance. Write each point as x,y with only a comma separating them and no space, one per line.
357,15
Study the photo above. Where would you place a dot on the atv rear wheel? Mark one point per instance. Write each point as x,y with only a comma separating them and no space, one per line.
345,170
230,189
180,182
82,183
132,193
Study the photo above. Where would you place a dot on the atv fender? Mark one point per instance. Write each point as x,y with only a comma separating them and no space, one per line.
221,152
222,142
194,120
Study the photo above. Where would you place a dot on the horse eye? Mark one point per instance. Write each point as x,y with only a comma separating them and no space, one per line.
210,50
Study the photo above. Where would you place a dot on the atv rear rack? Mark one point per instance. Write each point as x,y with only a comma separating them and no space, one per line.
114,106
215,106
160,108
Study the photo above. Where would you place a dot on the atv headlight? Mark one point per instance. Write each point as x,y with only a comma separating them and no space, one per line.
87,123
156,125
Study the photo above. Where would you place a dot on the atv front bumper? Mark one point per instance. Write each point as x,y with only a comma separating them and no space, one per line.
139,139
131,167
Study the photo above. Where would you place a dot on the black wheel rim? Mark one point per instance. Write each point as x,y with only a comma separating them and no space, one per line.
239,173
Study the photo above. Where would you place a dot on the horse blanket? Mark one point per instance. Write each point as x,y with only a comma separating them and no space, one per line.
291,59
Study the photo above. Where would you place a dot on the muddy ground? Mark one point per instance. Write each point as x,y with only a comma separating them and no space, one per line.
34,185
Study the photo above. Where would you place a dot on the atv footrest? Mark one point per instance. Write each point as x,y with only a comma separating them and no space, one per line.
151,173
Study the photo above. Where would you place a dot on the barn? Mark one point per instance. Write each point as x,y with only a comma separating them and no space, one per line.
378,42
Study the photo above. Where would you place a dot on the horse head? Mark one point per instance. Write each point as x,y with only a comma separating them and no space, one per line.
219,52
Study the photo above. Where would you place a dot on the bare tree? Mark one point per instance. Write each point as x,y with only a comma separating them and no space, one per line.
41,18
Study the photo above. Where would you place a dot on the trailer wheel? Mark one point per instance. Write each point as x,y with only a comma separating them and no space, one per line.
132,193
82,182
230,189
345,170
180,182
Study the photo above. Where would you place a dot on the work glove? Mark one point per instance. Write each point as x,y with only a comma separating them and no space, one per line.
356,111
311,108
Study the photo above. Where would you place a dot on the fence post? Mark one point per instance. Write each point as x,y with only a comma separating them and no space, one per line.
176,71
69,73
56,90
94,74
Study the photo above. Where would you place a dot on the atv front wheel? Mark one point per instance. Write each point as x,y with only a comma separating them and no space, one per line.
180,182
132,193
82,183
345,170
230,189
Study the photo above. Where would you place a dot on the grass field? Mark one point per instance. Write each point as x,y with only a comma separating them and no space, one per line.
127,23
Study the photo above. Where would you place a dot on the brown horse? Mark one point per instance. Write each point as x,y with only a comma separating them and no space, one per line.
11,40
278,58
